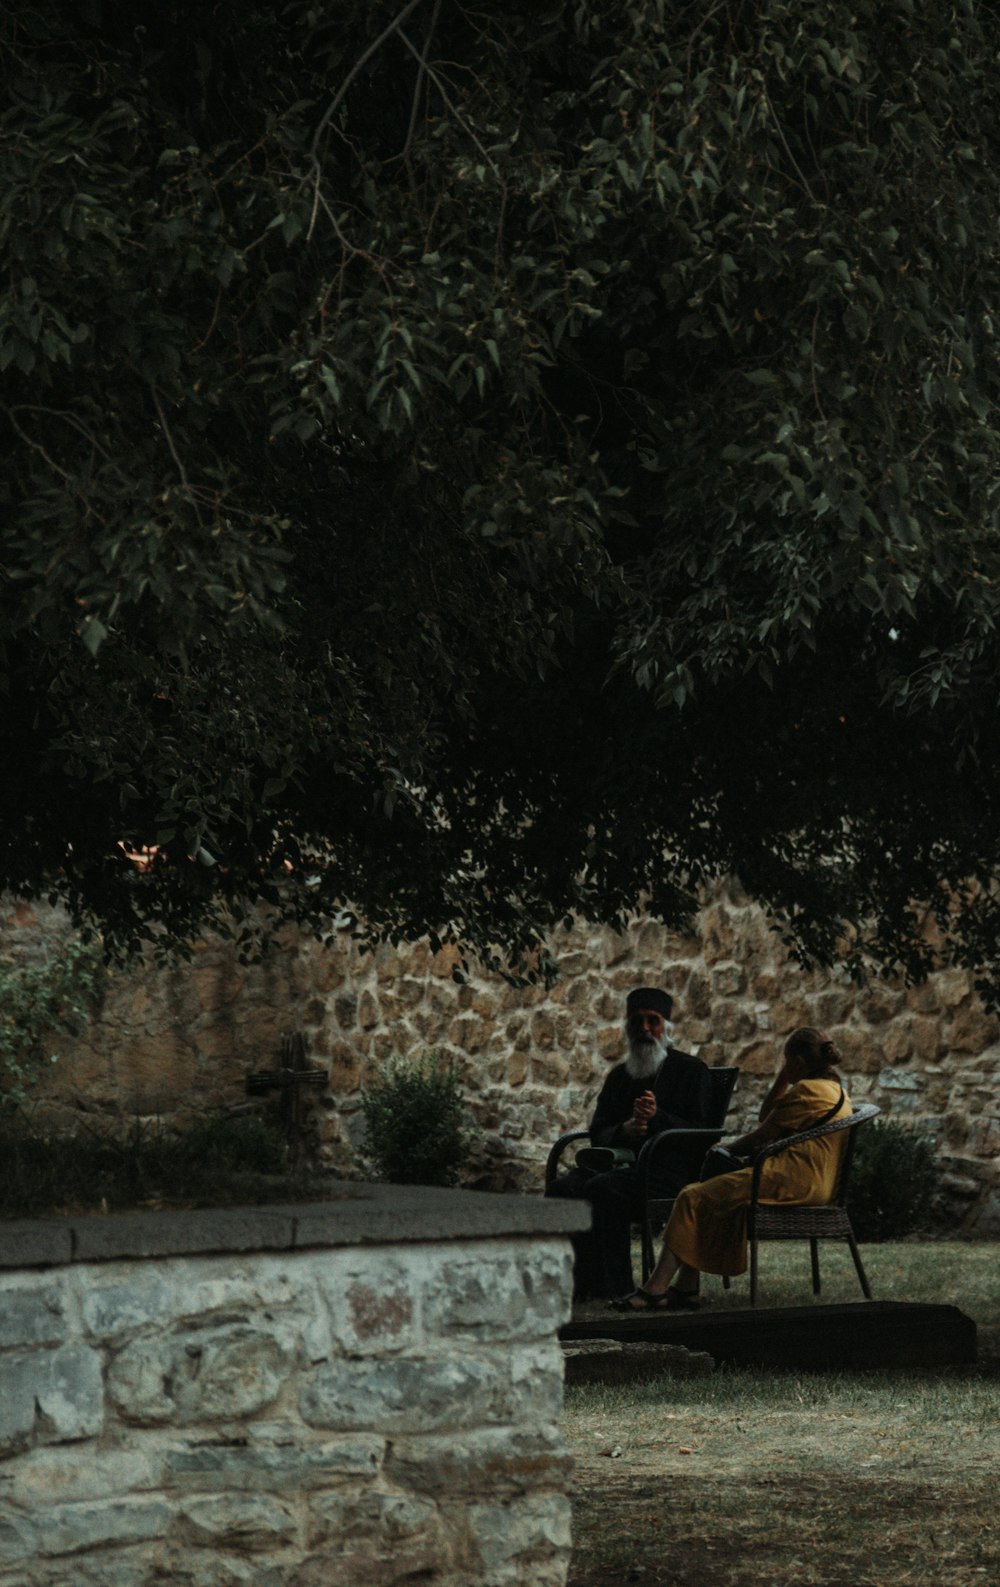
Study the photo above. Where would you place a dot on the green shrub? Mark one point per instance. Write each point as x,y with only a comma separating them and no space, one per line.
35,1002
413,1115
894,1180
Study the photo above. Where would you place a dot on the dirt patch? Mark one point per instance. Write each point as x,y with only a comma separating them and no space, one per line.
746,1531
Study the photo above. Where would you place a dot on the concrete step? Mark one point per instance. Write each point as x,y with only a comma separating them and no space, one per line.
867,1335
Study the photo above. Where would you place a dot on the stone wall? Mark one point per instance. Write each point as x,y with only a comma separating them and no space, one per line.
360,1393
176,1041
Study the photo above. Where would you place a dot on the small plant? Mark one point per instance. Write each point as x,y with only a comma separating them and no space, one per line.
413,1116
894,1179
35,1001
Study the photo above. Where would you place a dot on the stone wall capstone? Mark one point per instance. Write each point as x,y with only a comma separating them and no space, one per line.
177,1041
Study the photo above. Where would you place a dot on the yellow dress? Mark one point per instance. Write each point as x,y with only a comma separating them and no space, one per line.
707,1228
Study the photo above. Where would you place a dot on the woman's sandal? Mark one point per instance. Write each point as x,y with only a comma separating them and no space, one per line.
672,1300
647,1301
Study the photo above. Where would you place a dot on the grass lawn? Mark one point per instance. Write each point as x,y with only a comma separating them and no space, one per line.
768,1479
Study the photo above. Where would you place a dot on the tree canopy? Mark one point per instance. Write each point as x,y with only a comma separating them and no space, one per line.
477,459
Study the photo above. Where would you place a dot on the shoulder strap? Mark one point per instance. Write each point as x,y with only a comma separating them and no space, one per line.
828,1115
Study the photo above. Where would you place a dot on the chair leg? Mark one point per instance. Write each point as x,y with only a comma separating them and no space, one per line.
862,1275
814,1254
753,1272
648,1261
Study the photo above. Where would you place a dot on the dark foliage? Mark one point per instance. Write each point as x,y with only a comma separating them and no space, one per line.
219,1160
894,1179
477,461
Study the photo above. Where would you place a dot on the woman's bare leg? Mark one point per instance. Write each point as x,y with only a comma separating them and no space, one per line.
667,1265
688,1279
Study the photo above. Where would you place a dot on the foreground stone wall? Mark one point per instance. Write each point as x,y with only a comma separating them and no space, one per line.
334,1412
172,1042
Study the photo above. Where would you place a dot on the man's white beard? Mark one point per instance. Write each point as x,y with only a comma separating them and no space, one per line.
644,1058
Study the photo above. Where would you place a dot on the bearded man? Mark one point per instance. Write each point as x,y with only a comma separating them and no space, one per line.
656,1088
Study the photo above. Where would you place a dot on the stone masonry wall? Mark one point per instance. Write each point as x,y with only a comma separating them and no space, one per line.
296,1418
172,1042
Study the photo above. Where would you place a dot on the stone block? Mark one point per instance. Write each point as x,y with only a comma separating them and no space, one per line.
897,1041
518,1536
698,1001
96,1523
635,1361
924,999
293,1465
200,1375
399,1521
494,1460
469,1032
732,1024
615,948
410,992
928,1043
543,1029
400,1394
898,1080
345,1068
345,1006
248,1522
523,1297
32,1317
716,933
359,1565
879,1001
728,980
985,1221
610,1042
126,1566
368,1010
18,1540
550,1069
373,1309
952,987
760,1058
64,1475
972,1028
50,1397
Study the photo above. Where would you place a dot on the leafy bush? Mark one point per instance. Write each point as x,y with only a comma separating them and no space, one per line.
894,1179
413,1114
36,1001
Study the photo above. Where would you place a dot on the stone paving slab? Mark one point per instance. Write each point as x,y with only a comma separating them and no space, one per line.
355,1214
866,1335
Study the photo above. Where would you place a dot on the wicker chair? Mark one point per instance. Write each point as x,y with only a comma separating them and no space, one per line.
723,1082
829,1221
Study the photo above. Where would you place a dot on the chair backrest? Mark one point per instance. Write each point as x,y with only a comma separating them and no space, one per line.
723,1081
859,1115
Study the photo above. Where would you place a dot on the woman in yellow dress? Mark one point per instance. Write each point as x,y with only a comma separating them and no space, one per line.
707,1229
